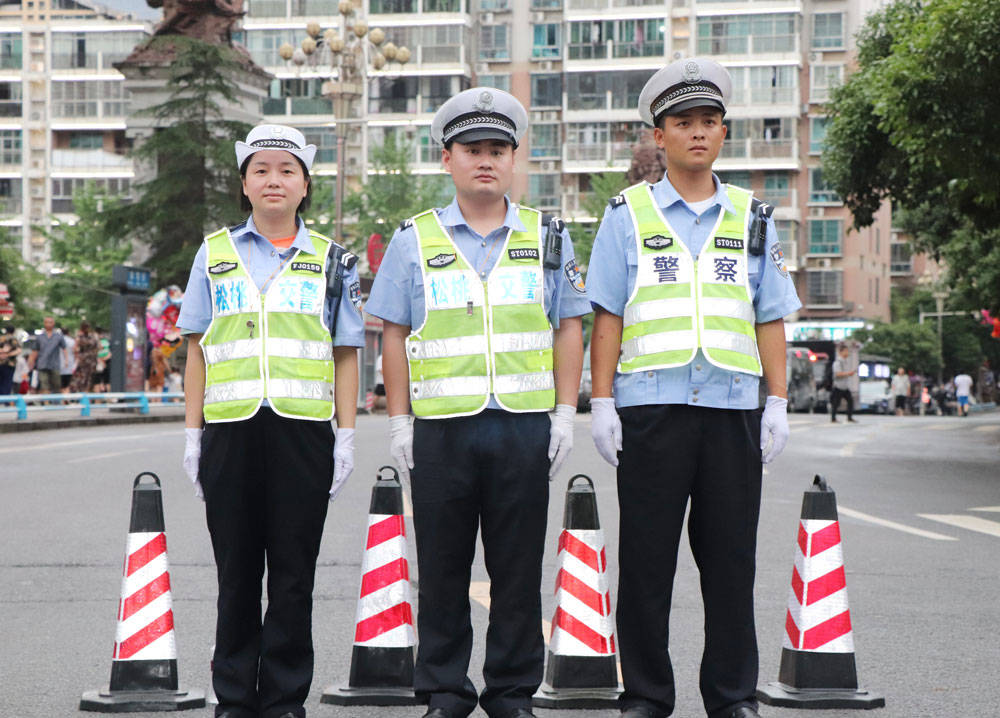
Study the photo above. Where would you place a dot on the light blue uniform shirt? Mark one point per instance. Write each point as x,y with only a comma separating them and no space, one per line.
611,278
397,295
262,259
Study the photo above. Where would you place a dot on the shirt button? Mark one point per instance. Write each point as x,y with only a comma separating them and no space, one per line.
272,252
694,400
694,391
649,373
697,367
697,220
484,244
737,380
482,274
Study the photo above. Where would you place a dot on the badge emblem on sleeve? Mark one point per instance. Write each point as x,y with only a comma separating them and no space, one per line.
355,294
441,260
575,277
778,257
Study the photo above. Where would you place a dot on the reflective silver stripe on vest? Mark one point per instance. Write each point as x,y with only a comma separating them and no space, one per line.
449,386
234,391
721,307
299,389
716,339
238,349
515,383
659,309
522,341
655,343
299,349
452,347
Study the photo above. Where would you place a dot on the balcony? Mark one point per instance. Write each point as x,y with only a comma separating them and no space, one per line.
90,160
787,197
87,60
758,149
615,50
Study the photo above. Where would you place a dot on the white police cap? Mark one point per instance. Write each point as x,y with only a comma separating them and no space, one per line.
482,113
275,137
684,84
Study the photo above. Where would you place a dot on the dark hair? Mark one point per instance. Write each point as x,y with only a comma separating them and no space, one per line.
303,205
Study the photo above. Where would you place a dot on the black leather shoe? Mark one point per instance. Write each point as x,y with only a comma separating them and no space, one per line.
638,712
437,713
744,712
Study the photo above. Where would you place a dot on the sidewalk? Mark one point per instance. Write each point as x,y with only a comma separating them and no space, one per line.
70,417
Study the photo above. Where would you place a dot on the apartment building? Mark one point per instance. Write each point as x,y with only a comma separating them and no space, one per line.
62,111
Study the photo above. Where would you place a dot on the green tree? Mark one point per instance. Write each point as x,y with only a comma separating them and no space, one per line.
391,194
84,252
603,186
908,344
197,184
24,283
915,125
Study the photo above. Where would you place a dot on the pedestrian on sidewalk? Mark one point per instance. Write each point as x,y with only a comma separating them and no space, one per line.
46,357
86,359
963,388
10,350
843,369
901,390
273,329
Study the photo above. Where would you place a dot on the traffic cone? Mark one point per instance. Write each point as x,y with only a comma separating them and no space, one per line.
144,663
582,671
382,657
817,653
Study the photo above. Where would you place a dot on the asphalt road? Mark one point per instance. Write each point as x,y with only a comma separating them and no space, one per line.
920,518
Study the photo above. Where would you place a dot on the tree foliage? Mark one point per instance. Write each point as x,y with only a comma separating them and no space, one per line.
907,344
197,185
916,123
25,285
85,252
391,194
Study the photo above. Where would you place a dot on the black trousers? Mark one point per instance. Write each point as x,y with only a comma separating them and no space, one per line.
835,397
266,482
490,468
671,453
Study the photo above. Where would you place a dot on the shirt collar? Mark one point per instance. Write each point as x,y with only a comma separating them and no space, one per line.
302,242
451,216
666,196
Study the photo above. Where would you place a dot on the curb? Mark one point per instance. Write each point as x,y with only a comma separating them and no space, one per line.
12,427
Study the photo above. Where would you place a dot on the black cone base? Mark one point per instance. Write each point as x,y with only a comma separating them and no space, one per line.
778,694
107,701
575,698
385,696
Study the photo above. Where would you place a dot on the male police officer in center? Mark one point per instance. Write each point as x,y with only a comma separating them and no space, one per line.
482,303
689,313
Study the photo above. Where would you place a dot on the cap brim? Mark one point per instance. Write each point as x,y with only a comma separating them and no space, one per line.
691,104
307,154
483,133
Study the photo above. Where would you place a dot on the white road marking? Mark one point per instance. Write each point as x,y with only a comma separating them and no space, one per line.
109,455
988,428
942,427
95,440
848,449
893,525
994,509
972,523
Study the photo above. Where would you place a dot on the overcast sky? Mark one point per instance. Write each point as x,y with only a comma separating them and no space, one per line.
136,7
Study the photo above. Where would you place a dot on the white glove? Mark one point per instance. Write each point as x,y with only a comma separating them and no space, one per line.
560,436
192,453
343,460
401,444
606,428
773,428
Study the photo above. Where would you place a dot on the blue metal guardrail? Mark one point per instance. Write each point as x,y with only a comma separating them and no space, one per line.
22,403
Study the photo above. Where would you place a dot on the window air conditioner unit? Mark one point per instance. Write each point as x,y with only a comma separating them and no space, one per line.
482,68
548,166
488,17
538,17
825,263
815,57
678,54
815,211
547,65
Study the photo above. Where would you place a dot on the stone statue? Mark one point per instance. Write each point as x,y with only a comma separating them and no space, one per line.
207,20
648,161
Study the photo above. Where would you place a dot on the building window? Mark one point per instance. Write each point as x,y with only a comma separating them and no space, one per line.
546,41
494,5
393,95
494,42
546,4
900,258
388,7
546,90
587,142
436,90
10,51
545,141
740,178
774,85
543,191
819,191
10,147
589,90
742,34
828,31
500,82
263,45
824,236
89,98
10,99
429,151
92,50
788,235
63,190
442,5
628,38
10,195
86,141
817,134
777,189
325,139
824,78
824,288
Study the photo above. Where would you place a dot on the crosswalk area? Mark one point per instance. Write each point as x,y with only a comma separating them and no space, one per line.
971,522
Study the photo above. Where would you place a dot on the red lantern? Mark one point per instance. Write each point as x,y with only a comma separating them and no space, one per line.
376,250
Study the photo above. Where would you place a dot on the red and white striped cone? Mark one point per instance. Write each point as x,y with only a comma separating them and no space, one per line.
817,653
144,663
382,657
582,670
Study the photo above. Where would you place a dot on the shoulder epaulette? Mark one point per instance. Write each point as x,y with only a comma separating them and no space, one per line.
406,223
238,227
348,259
617,201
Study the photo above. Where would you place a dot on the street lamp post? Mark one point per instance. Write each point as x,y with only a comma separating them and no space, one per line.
349,53
939,298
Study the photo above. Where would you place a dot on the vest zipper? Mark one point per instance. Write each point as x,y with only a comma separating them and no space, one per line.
488,312
265,368
697,306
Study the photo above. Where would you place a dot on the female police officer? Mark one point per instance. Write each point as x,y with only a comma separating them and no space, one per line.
268,315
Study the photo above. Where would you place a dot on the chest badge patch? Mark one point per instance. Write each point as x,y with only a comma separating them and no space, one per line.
657,241
441,260
574,276
523,253
778,257
728,243
222,267
306,267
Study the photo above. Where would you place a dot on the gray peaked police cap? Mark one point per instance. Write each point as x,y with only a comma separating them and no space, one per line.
681,85
481,113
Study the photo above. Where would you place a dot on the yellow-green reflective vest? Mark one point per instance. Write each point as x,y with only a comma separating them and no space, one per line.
270,346
481,337
680,304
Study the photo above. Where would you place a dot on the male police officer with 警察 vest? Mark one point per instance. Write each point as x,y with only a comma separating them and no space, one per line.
482,303
690,294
